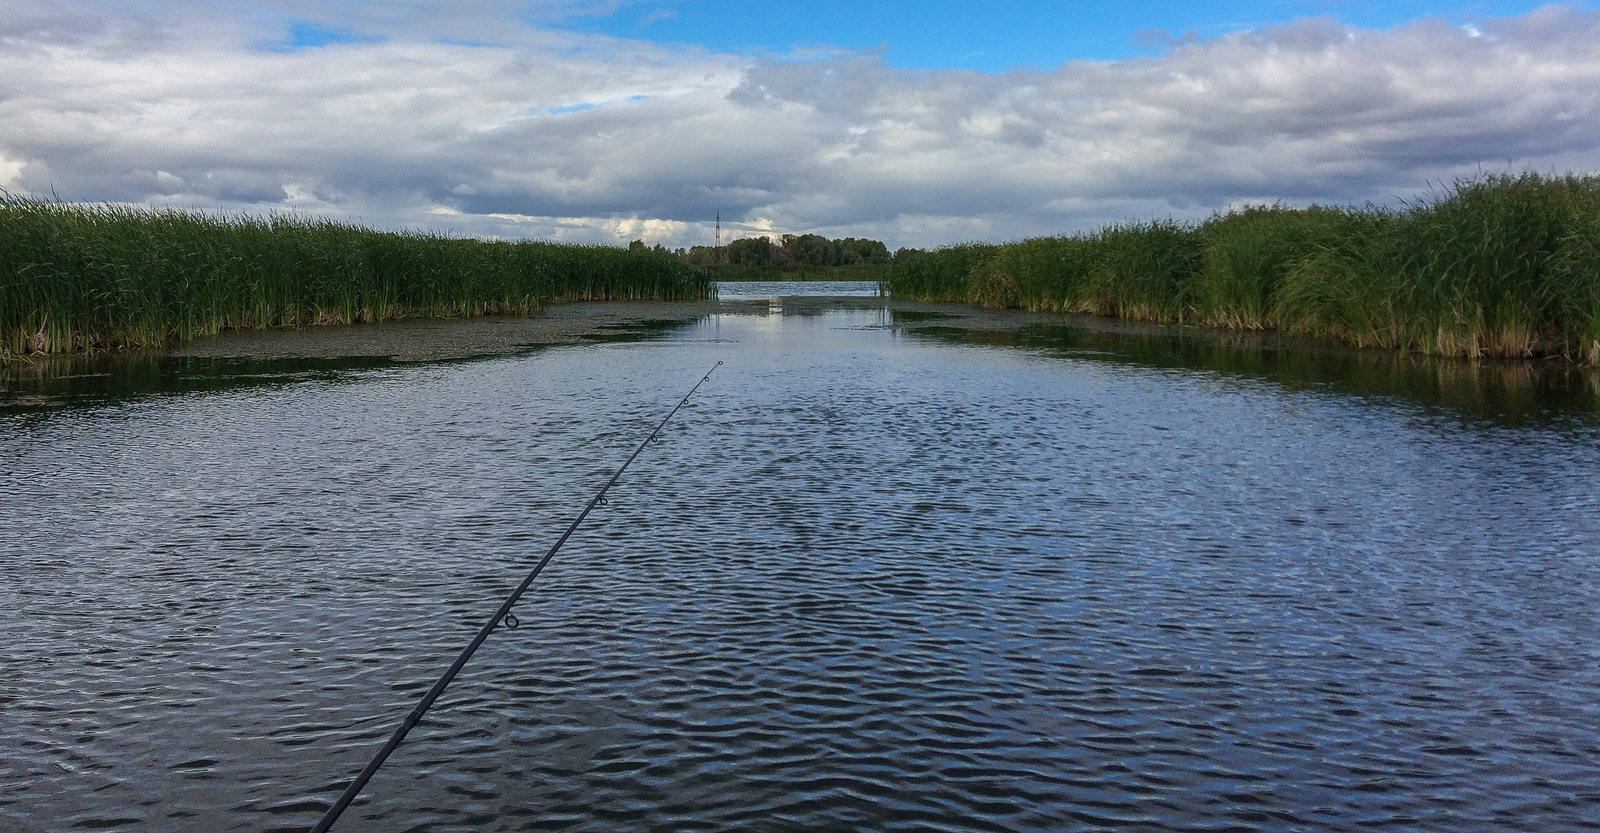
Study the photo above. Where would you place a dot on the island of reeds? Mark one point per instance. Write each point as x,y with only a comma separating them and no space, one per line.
78,277
1500,266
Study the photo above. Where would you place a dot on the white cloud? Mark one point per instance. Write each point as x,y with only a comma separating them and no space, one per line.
657,16
10,172
498,137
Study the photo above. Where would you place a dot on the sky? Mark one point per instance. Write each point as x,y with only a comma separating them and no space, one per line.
913,123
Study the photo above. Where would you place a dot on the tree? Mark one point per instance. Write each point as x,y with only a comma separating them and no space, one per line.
798,249
859,250
808,249
753,251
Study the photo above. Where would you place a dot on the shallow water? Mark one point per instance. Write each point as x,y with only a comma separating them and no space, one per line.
729,290
875,577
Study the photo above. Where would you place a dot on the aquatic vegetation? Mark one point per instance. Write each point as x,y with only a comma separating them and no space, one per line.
1506,266
937,275
76,277
1246,254
1503,266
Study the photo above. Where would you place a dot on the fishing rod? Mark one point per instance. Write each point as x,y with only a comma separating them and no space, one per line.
503,615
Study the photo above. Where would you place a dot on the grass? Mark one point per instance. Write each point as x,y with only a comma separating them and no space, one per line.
1504,266
938,275
76,277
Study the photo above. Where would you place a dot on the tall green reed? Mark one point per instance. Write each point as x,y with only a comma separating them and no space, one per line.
1496,266
1501,266
1246,254
937,275
76,277
1133,270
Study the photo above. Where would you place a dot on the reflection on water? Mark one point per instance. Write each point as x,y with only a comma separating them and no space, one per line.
873,578
111,378
731,290
1504,391
1510,393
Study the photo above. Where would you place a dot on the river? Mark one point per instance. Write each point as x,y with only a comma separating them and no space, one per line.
880,574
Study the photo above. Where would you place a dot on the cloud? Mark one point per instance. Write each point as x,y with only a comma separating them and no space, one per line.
1159,40
10,172
488,122
657,16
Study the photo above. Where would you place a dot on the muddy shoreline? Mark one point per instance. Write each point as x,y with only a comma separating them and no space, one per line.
584,322
587,322
1505,390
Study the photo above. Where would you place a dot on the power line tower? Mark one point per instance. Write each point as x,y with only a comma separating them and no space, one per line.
716,250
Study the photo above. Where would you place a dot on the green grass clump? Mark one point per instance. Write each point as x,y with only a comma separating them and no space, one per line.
1505,266
1135,270
77,277
1247,253
1576,268
937,275
1145,271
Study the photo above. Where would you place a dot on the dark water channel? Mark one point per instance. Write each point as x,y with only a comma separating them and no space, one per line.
882,574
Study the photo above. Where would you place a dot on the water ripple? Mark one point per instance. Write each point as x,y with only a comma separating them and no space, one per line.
866,582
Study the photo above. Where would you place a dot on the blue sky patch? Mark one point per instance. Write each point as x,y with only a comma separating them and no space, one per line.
304,34
998,35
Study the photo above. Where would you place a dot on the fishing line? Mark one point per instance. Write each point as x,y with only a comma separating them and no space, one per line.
503,615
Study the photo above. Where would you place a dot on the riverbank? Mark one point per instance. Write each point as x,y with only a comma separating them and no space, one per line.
585,322
577,322
1501,390
1499,267
82,277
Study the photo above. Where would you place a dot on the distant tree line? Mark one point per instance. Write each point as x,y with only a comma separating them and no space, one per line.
789,249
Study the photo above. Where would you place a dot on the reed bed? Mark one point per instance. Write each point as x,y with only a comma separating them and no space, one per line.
938,275
1502,266
78,277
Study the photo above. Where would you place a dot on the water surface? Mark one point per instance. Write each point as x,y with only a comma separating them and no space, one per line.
877,576
777,289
